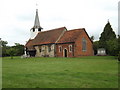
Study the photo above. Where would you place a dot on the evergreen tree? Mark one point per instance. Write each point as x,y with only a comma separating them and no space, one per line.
112,47
106,35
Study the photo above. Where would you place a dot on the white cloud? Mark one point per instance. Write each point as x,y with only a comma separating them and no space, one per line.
17,16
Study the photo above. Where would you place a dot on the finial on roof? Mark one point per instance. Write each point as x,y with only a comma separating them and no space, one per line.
36,5
108,21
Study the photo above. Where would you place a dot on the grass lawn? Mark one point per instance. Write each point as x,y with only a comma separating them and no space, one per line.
84,72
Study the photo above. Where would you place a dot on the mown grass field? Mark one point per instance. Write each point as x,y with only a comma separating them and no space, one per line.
84,72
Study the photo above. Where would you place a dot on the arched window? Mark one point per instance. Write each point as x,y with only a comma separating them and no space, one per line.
84,44
60,48
70,48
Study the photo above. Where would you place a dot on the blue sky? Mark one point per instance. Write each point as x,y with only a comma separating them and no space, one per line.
17,16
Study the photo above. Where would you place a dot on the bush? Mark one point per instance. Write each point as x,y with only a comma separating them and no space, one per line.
119,56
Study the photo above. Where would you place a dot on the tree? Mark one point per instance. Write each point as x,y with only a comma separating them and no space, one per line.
106,35
92,38
118,40
119,56
19,49
12,52
112,47
118,47
15,50
4,47
3,43
108,40
95,46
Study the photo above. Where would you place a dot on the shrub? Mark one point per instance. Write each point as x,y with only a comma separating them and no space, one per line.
119,56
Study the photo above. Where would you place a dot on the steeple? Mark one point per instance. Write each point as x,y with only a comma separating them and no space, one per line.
36,28
37,23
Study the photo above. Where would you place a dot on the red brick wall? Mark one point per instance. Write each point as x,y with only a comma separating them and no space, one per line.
78,46
64,46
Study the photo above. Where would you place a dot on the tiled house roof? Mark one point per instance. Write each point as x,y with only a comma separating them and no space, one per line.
29,44
48,37
59,35
70,36
45,37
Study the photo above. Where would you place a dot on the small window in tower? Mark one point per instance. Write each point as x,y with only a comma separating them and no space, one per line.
33,29
39,29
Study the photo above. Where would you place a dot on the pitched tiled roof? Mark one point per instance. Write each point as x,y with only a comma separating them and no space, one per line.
29,44
61,35
48,37
70,36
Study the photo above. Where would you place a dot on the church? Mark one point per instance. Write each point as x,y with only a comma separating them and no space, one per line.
58,42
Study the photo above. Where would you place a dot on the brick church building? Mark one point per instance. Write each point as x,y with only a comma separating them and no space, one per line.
58,42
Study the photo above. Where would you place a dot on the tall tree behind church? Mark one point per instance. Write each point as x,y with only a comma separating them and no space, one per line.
107,35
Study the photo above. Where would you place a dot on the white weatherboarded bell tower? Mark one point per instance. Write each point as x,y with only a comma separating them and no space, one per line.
36,28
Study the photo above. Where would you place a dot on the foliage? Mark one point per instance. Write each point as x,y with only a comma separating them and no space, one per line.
4,51
106,35
17,49
95,46
119,56
112,47
108,41
118,40
92,38
4,47
11,52
3,43
83,72
119,47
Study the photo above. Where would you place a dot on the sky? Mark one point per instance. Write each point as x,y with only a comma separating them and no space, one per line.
17,17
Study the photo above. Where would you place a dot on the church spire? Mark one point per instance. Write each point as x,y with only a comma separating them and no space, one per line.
37,23
36,28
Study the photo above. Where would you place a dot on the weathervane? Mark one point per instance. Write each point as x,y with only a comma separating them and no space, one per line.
36,4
